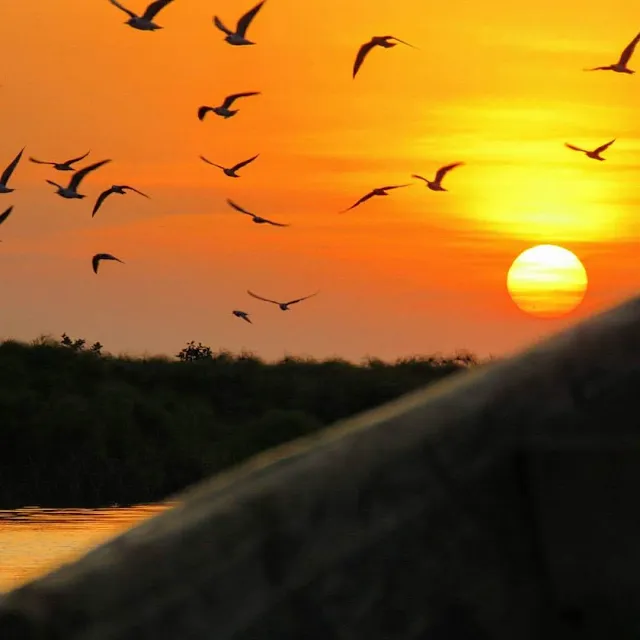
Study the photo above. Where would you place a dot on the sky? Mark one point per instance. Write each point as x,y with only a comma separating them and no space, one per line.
497,85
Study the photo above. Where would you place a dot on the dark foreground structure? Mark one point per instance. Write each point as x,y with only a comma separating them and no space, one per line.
501,504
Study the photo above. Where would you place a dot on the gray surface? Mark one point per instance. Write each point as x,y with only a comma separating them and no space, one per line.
434,517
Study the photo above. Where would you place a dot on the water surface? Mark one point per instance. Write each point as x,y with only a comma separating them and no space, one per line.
34,541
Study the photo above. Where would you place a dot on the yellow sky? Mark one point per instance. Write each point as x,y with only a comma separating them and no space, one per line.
494,84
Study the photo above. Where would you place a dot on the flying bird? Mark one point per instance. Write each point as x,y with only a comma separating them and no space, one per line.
223,110
62,166
116,188
145,21
6,214
283,305
238,38
71,192
595,154
436,183
231,171
95,261
381,191
4,178
242,314
625,56
377,41
256,219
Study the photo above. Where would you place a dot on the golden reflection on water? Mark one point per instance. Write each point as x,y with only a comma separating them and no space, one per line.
33,541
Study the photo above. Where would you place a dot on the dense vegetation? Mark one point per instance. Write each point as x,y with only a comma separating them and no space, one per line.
80,428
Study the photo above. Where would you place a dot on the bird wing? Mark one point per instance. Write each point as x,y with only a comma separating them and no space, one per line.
221,26
396,186
124,186
255,295
301,299
74,160
628,52
101,198
598,69
95,261
237,207
154,8
115,3
244,163
403,42
275,224
362,54
77,177
245,20
247,318
604,146
363,199
202,112
6,214
9,170
571,146
442,171
39,161
212,163
414,175
229,100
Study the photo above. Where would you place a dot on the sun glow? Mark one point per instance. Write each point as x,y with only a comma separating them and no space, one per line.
547,281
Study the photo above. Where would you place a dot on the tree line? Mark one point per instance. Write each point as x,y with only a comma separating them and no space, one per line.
82,428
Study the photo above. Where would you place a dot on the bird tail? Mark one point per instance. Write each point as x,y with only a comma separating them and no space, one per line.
232,112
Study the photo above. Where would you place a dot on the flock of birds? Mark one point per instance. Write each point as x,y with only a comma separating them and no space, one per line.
238,37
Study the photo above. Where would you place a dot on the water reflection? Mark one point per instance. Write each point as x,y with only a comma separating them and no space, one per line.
34,540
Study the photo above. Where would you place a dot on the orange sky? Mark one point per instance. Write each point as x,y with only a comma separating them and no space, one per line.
498,85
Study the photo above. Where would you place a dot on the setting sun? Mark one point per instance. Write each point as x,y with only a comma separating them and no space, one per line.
547,281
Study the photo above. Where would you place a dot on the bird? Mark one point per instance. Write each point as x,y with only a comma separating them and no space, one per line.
256,219
625,56
71,192
145,21
436,183
381,191
595,154
95,261
4,178
62,166
376,41
6,214
284,306
116,188
238,38
242,314
223,110
231,171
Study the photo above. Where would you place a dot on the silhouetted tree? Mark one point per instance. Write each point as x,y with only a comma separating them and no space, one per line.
193,352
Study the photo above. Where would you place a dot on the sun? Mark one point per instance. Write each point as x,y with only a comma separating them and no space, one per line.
547,281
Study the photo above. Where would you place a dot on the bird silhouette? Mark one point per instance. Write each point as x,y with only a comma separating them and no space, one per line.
71,191
242,314
237,37
6,174
223,110
436,183
61,166
625,56
5,214
95,261
381,191
145,21
231,171
116,188
386,42
256,219
595,154
284,306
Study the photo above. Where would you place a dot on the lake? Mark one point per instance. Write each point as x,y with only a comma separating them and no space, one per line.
33,540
